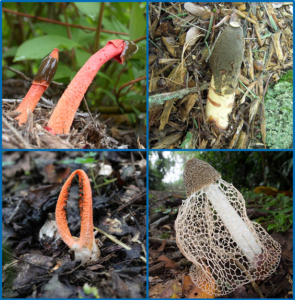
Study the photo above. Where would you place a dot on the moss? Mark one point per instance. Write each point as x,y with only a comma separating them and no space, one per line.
279,115
287,77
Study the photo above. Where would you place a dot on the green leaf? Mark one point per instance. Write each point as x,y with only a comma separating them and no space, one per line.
63,71
52,29
137,112
39,47
91,9
281,219
83,160
103,75
10,74
111,95
137,22
82,56
187,141
271,226
10,53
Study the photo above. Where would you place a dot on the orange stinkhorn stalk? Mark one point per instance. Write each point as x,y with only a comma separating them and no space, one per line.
85,247
64,113
41,82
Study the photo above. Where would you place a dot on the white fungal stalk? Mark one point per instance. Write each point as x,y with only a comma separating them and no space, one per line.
219,106
239,231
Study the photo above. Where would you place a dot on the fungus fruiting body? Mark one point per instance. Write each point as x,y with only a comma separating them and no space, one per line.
225,63
214,232
85,247
41,82
64,113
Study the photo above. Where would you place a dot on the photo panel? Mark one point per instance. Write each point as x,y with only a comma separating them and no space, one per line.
74,224
74,75
220,224
220,75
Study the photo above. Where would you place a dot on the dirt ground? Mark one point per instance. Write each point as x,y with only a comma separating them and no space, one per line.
36,262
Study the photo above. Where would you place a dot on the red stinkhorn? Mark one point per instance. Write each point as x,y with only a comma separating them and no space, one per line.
85,247
64,113
41,82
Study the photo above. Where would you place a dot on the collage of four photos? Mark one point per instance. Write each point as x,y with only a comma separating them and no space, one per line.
147,150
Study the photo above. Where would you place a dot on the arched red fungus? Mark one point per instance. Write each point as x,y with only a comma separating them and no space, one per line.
85,247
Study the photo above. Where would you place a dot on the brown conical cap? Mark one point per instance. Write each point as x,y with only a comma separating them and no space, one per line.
198,174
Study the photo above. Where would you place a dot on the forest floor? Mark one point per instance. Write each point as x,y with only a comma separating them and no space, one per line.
180,75
89,130
169,269
37,265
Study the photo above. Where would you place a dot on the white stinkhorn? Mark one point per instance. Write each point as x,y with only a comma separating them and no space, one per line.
214,232
225,62
233,222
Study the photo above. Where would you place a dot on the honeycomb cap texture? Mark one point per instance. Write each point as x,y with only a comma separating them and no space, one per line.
198,174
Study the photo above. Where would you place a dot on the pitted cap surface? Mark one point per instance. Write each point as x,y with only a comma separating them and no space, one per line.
198,174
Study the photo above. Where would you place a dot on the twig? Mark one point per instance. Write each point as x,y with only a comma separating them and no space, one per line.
15,257
113,239
28,78
128,203
160,98
98,28
129,83
253,283
17,135
160,241
158,222
60,23
15,210
85,102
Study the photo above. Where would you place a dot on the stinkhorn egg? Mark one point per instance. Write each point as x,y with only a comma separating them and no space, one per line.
225,62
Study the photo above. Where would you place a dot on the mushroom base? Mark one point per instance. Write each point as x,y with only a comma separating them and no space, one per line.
84,254
219,107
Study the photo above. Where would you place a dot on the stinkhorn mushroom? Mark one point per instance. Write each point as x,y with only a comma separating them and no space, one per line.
41,82
85,247
225,62
214,232
64,113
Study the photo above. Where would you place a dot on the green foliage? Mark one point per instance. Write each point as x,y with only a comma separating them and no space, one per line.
88,290
251,169
287,77
280,210
87,158
37,48
165,235
158,209
26,43
279,114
